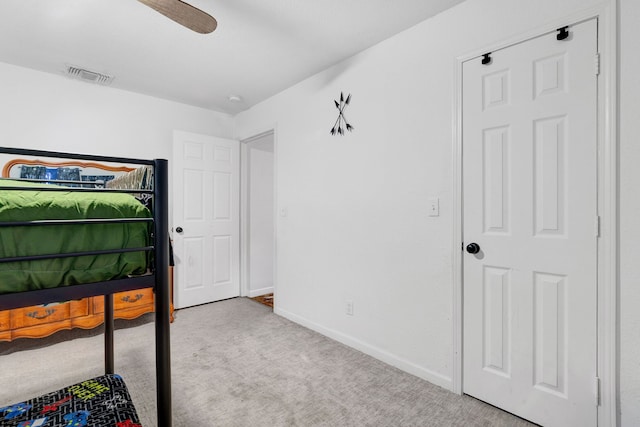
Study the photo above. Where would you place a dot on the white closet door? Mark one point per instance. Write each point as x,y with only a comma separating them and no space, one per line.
530,204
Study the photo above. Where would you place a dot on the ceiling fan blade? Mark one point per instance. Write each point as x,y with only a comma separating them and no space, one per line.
184,14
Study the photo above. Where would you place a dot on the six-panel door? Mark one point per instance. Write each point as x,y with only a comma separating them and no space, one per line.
206,208
529,193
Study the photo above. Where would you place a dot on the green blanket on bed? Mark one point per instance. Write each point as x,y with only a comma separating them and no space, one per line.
39,240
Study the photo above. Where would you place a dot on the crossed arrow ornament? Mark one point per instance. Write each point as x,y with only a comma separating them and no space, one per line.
338,125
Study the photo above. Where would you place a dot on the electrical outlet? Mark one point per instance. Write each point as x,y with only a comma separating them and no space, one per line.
348,307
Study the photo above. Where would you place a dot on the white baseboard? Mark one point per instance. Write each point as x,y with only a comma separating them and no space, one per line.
382,355
261,291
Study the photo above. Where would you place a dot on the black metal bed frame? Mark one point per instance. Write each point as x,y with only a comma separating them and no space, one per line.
158,280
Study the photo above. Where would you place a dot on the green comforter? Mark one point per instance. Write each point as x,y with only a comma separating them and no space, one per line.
39,240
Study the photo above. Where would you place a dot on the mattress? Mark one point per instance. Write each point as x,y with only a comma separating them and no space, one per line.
33,205
100,402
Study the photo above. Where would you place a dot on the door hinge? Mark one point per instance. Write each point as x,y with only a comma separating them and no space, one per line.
596,391
597,225
597,64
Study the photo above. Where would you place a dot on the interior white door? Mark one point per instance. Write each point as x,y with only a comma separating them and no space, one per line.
206,218
530,204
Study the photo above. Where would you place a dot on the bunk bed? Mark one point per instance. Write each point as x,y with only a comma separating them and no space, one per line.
41,321
141,261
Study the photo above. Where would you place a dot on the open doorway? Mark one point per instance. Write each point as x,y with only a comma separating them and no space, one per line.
257,217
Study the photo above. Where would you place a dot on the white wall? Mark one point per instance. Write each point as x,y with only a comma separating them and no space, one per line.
51,112
357,225
260,215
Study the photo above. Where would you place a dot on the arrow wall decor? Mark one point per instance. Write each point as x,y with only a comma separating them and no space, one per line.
341,122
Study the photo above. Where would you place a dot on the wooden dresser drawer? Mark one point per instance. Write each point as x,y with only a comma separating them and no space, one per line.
5,320
38,315
126,300
39,321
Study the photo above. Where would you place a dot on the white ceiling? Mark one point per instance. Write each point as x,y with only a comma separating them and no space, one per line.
259,48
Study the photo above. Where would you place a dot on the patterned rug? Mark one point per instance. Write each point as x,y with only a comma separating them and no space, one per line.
100,402
264,299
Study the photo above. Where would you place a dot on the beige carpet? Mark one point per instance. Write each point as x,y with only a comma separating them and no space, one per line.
235,363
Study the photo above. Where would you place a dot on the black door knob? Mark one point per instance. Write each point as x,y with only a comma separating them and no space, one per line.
179,229
473,248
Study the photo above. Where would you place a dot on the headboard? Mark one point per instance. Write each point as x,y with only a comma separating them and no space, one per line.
66,170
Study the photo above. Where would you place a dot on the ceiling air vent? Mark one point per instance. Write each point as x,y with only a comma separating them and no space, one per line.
88,76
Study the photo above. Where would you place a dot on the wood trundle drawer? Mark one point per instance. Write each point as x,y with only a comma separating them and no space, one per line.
126,300
42,321
38,315
5,320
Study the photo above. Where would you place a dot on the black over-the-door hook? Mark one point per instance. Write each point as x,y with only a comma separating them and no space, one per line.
563,33
486,58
